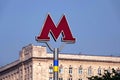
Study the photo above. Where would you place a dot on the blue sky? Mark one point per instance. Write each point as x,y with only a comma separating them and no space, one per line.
94,23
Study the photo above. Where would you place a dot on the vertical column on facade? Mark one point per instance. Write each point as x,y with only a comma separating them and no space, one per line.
30,71
84,73
17,73
23,72
76,74
65,73
94,71
26,72
19,76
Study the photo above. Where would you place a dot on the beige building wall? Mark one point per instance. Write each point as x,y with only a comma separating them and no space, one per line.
35,63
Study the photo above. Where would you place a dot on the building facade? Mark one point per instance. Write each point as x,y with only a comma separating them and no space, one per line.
35,63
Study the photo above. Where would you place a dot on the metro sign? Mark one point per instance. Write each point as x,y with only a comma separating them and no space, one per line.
50,27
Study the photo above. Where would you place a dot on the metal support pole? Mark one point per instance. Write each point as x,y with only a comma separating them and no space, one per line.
56,63
55,59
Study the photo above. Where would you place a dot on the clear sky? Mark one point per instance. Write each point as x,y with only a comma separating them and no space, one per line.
94,23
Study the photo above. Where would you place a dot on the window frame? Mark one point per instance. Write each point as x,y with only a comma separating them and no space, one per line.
99,71
70,70
51,69
80,70
90,70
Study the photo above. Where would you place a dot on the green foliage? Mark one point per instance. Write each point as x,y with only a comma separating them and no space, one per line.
114,75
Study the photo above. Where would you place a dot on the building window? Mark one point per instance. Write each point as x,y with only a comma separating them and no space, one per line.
60,78
109,70
70,70
89,70
99,71
118,70
70,78
61,69
50,78
51,69
30,71
80,70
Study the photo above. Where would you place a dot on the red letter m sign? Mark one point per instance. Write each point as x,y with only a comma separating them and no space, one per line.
50,27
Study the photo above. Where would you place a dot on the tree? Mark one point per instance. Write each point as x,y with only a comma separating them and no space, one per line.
114,75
